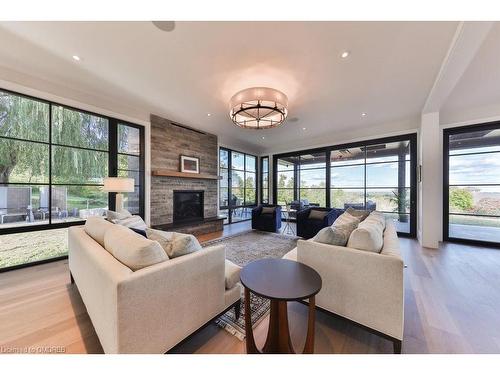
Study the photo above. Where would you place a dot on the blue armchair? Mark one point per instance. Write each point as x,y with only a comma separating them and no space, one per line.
268,222
370,206
308,227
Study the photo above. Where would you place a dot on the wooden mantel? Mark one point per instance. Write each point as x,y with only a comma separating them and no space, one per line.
168,173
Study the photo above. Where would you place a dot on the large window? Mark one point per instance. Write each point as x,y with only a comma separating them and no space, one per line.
472,183
53,160
264,178
238,186
378,174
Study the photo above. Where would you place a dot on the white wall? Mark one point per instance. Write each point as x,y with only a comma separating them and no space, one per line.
430,187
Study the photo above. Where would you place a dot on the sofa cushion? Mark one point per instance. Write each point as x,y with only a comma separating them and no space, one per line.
232,274
268,210
96,227
135,221
183,244
347,219
174,244
132,249
367,236
378,217
334,235
360,214
120,215
317,214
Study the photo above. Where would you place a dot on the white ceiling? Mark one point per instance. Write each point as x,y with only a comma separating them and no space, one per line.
479,86
195,69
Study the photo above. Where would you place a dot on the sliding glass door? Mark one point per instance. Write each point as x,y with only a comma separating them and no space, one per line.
472,183
238,186
377,175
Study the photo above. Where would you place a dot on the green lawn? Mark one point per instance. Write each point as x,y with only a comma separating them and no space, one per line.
30,247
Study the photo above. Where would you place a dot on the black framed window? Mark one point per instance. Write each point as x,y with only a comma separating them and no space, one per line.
53,159
238,186
471,193
377,174
264,179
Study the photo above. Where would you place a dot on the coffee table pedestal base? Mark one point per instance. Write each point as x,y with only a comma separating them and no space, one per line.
278,336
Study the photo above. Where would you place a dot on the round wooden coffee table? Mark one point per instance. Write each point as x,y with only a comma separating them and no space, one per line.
279,280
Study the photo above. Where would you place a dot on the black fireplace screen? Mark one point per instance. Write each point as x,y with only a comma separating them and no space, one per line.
188,205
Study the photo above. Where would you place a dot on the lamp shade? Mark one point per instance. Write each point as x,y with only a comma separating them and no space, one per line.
118,184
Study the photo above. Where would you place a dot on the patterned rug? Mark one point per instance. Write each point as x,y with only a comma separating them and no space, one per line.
242,249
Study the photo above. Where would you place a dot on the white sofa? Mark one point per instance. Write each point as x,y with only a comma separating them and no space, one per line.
362,286
154,308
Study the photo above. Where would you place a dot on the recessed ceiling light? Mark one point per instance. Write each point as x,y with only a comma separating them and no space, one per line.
76,58
304,128
363,114
263,137
209,114
345,54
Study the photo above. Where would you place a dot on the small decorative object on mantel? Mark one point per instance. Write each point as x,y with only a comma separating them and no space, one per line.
190,164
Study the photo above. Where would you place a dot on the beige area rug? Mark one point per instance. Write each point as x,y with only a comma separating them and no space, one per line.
242,249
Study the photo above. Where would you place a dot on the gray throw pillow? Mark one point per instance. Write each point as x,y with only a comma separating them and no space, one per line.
334,235
360,214
317,214
268,210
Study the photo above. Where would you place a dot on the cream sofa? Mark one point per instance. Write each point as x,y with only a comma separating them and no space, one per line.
362,286
154,308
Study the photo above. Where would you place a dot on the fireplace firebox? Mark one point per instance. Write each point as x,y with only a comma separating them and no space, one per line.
188,206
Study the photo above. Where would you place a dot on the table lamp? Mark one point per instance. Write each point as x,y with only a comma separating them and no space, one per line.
118,185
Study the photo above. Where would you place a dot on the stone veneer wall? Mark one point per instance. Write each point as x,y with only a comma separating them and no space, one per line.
168,142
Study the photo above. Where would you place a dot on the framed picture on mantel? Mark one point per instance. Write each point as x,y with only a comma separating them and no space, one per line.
190,164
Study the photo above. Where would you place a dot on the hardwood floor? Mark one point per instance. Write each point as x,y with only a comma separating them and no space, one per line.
452,300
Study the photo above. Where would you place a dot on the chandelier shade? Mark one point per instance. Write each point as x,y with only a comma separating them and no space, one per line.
258,108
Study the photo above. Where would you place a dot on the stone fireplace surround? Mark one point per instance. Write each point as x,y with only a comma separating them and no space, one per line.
169,141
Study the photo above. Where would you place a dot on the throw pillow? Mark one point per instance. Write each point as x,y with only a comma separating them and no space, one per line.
139,231
334,235
360,214
162,237
134,221
378,217
96,227
174,244
317,214
367,236
132,249
346,219
183,244
268,210
120,215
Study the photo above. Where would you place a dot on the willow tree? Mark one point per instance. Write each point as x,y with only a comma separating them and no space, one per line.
28,120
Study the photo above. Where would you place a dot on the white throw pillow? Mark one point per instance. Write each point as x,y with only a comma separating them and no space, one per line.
120,215
132,249
96,227
135,221
367,236
378,217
